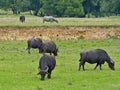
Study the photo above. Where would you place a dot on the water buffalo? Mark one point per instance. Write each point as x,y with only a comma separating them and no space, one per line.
98,56
49,19
46,64
35,43
22,19
49,47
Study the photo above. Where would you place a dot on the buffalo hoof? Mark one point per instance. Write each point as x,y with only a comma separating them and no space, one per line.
49,77
42,79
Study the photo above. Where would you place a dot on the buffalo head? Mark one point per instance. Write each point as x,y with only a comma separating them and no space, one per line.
111,65
43,72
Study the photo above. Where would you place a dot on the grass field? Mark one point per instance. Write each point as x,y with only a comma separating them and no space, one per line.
18,69
32,21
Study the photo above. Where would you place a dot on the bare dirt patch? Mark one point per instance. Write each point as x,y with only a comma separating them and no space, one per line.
53,33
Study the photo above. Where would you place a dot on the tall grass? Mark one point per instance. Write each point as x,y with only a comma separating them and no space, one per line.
18,69
13,20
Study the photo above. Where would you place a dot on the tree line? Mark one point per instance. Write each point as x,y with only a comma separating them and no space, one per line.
63,8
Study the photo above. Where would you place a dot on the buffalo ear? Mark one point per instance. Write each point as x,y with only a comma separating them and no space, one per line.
38,73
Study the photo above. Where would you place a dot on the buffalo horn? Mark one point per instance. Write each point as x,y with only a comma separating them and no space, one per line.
46,70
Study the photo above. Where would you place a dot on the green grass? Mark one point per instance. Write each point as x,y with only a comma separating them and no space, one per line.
18,69
33,21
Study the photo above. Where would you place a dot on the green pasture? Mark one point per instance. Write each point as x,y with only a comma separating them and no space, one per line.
32,21
18,69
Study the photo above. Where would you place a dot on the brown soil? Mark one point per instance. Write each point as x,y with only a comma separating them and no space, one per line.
62,33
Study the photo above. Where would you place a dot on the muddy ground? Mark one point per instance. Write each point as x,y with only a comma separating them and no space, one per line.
61,33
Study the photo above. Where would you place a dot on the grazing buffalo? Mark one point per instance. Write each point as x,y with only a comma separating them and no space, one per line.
46,64
35,43
49,47
22,19
98,56
49,19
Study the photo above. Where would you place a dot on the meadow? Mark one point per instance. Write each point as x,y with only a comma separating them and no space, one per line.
33,21
18,69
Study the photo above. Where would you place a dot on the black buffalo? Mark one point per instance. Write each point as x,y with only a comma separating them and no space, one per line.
46,64
49,47
22,18
49,19
98,56
35,43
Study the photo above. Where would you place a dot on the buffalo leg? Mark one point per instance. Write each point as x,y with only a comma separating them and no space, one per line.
96,66
79,67
81,64
28,50
39,50
100,66
49,75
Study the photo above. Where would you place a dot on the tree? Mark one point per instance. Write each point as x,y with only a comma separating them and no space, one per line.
70,8
35,5
74,8
49,7
110,7
91,7
63,8
4,4
116,7
19,5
